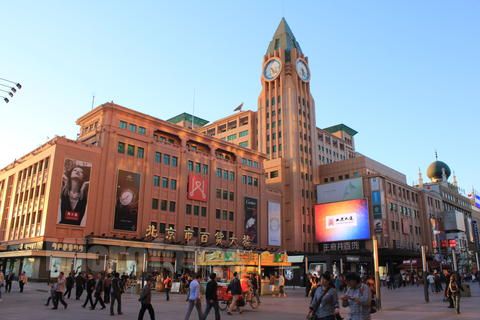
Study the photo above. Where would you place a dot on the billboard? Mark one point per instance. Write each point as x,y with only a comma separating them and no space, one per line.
274,224
342,221
251,218
126,207
340,191
454,221
197,187
74,193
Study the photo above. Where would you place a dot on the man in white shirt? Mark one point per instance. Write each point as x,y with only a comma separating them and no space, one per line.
431,281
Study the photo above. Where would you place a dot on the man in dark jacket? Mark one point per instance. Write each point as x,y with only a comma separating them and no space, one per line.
116,294
8,281
211,297
79,285
99,291
69,284
236,289
90,288
146,301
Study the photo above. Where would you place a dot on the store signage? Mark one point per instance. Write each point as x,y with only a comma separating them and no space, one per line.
197,187
69,247
343,246
353,259
26,246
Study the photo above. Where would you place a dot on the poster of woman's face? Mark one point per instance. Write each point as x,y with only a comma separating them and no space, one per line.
74,192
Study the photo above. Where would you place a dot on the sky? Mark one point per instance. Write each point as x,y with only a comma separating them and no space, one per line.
404,74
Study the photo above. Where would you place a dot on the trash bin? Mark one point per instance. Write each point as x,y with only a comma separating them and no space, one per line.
466,290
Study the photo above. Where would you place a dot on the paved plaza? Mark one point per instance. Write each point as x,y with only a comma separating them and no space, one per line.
404,303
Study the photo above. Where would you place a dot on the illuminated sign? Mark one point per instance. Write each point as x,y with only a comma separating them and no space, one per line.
340,191
342,221
197,187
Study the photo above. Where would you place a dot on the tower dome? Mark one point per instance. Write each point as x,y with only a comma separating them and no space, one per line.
435,171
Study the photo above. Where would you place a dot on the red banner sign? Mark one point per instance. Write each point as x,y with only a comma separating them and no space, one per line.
452,243
444,243
197,187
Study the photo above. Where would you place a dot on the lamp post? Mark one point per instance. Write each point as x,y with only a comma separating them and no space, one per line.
377,274
425,268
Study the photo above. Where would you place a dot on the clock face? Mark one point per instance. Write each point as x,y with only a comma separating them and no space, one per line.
272,69
126,197
302,70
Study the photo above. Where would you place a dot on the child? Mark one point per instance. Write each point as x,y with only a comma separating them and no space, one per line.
53,289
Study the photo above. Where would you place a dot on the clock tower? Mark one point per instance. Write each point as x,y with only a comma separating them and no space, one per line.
287,135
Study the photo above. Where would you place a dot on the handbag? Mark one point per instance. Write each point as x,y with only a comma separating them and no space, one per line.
313,316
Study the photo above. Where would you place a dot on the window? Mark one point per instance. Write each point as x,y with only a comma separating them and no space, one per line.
156,181
123,125
231,196
205,169
196,210
140,153
164,182
158,157
250,180
255,182
154,204
161,227
142,130
132,127
219,172
174,161
274,174
189,209
230,216
166,159
131,150
218,213
172,206
173,184
121,147
243,144
219,194
190,165
225,194
243,133
231,176
244,179
225,174
224,215
204,211
163,205
232,137
198,167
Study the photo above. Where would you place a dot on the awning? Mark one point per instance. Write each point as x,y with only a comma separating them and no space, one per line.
296,259
48,253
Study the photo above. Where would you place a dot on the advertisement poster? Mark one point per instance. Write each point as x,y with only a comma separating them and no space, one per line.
197,187
74,193
274,224
375,184
342,221
378,225
126,208
251,217
340,191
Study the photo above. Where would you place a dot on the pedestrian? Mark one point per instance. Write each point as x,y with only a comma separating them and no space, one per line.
211,297
167,284
254,282
146,301
22,280
357,297
324,304
116,293
453,292
272,284
281,286
8,282
236,289
194,297
2,283
53,290
80,282
107,288
59,292
69,284
98,292
90,287
315,282
431,282
308,284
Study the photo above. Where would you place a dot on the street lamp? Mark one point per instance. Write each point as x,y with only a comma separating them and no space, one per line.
13,89
5,99
9,93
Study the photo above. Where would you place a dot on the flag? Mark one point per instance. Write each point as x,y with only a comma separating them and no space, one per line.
239,108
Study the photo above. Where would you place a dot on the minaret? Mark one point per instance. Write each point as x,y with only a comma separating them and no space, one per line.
287,134
420,179
455,182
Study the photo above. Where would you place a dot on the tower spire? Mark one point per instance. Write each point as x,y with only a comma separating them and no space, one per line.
420,178
283,38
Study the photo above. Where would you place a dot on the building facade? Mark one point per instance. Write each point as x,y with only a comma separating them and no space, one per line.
130,182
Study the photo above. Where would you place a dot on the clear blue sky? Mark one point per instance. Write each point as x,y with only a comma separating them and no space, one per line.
405,74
